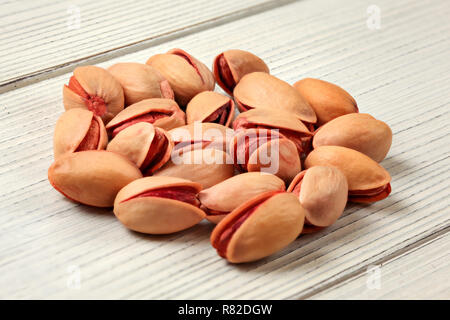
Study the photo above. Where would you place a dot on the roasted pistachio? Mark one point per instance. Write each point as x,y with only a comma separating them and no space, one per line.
92,177
140,81
224,197
159,205
209,106
367,180
95,89
78,130
259,227
230,66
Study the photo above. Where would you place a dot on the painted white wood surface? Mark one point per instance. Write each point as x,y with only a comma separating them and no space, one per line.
399,73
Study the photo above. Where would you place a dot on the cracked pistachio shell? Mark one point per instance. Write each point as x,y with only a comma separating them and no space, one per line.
357,131
95,89
187,76
262,90
367,180
210,106
92,177
328,100
226,196
78,130
259,227
162,113
322,192
204,166
158,205
230,66
140,81
137,143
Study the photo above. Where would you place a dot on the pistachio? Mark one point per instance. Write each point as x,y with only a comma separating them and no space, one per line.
322,192
259,227
204,166
367,180
159,205
95,89
209,106
187,76
147,146
140,81
328,100
230,66
92,177
162,113
222,198
78,130
262,90
358,131
265,151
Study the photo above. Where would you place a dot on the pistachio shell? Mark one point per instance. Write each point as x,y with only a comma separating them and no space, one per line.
259,227
328,100
322,192
209,106
230,66
74,128
155,205
162,113
95,89
187,76
140,81
357,131
226,196
92,177
262,90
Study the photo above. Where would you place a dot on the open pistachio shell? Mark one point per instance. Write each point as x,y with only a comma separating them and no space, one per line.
159,205
230,66
140,81
78,130
322,192
262,90
259,227
187,76
92,177
209,106
328,100
367,180
224,197
95,89
357,131
162,113
147,146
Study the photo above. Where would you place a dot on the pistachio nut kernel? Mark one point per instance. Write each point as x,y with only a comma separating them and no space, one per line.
358,131
159,205
140,81
95,89
210,106
187,76
259,227
92,177
367,180
162,113
322,192
230,66
78,130
222,198
328,100
147,146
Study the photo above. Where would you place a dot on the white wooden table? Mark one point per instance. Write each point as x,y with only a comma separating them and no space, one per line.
399,72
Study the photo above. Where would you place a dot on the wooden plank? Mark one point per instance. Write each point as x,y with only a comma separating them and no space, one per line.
399,74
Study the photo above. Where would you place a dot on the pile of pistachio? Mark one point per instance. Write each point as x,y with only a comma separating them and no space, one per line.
155,142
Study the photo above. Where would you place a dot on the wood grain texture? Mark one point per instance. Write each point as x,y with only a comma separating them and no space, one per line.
399,73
